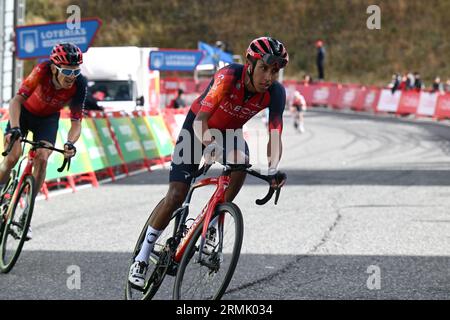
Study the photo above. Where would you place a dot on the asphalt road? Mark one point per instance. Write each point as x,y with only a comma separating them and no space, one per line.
365,215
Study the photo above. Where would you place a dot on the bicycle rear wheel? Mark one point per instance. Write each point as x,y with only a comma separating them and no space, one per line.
156,272
16,227
209,278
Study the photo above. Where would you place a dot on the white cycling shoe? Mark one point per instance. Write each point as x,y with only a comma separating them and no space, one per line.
138,270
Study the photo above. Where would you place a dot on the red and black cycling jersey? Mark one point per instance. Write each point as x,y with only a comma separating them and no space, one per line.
225,98
43,99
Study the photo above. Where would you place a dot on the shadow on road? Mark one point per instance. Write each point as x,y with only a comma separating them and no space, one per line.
46,275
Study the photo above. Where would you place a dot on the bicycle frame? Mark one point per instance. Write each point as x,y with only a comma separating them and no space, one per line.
28,170
218,197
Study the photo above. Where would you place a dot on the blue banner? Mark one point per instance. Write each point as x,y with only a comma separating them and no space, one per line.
214,55
175,60
37,41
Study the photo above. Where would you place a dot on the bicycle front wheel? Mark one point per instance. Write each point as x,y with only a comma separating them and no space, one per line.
208,278
16,227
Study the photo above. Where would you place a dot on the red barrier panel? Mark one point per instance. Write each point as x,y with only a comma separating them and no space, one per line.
443,106
388,101
324,94
369,99
427,103
347,96
409,101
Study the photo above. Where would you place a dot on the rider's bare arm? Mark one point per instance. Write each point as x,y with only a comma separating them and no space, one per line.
274,150
274,146
201,128
75,131
14,109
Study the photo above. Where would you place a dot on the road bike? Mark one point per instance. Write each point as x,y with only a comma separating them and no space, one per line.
202,252
17,203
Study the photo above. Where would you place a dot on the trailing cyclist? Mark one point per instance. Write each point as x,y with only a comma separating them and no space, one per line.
298,108
36,107
235,94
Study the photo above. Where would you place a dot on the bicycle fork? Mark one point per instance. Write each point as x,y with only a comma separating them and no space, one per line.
217,198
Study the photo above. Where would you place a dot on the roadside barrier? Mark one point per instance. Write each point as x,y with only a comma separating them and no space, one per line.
424,103
110,144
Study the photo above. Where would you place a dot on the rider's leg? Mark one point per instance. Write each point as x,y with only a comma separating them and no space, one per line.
173,200
161,216
237,178
44,130
236,183
300,120
296,119
9,161
180,170
40,166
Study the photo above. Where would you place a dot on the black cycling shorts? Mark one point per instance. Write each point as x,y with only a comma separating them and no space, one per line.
184,164
43,128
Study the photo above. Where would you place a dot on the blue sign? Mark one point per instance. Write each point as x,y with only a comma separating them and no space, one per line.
175,60
214,55
37,41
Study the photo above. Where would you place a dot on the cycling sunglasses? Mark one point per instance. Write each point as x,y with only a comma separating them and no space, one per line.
69,72
271,59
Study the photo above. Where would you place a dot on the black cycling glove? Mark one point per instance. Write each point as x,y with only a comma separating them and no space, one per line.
71,146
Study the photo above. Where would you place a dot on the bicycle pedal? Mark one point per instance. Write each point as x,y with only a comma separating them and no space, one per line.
208,250
14,234
135,287
172,270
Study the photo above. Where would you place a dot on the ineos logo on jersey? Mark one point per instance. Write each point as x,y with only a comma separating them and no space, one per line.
238,111
244,110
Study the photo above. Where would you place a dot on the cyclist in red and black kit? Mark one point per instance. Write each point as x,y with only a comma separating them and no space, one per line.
235,94
36,107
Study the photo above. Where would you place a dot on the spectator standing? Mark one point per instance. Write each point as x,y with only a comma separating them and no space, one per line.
410,81
320,58
418,85
403,82
178,101
437,85
395,83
